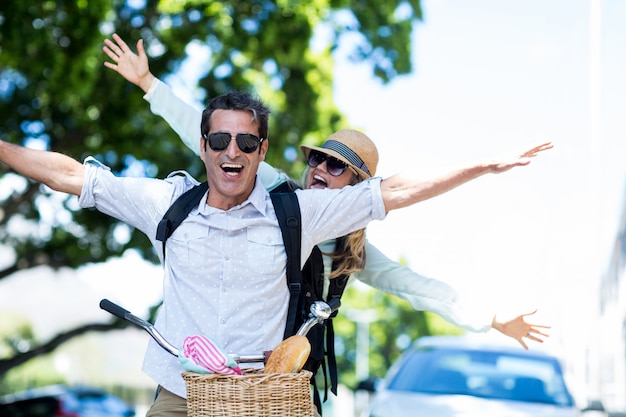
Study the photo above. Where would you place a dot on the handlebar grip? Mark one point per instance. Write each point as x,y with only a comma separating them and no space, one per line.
334,304
114,309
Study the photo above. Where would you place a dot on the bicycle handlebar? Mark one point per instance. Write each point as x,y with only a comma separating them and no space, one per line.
114,309
124,314
319,312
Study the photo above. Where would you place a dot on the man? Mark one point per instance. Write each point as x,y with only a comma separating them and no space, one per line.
224,273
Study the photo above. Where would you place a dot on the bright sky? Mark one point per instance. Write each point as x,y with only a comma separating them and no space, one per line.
492,77
489,77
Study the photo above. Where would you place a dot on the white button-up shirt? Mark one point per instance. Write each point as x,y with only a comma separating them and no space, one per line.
225,271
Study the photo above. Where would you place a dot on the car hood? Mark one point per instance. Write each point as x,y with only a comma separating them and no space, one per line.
401,404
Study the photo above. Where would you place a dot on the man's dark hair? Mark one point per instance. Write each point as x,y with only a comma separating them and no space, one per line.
237,100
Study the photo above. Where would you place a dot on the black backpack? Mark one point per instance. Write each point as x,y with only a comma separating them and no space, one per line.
305,286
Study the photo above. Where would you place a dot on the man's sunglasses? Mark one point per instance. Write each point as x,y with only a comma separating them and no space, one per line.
247,142
334,166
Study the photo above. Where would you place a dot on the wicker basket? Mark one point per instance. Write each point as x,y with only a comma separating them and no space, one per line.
253,394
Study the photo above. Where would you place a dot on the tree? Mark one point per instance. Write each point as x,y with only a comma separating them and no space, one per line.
392,324
16,336
56,94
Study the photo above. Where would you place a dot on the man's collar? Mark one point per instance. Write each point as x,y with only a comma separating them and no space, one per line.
259,196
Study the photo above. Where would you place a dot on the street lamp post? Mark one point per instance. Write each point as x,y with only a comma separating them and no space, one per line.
362,318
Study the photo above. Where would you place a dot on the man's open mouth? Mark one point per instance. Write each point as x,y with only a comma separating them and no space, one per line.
232,169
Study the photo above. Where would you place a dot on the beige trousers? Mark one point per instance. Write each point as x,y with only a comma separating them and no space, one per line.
167,404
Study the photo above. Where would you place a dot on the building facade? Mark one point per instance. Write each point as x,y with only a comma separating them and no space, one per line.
611,341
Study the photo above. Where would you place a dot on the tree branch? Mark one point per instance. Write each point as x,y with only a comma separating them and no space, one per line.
8,270
21,358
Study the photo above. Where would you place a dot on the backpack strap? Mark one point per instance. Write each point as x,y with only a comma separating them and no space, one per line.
336,287
179,211
329,363
288,213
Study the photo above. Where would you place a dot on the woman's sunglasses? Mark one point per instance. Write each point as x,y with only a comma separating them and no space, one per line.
334,166
247,142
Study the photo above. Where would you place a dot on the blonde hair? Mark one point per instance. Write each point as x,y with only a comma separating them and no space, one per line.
350,254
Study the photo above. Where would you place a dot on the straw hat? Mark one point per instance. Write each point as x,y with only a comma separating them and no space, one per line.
352,147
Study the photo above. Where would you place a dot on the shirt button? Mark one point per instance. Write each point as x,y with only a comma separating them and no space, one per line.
223,321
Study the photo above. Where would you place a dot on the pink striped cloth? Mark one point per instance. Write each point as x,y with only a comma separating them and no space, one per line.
200,351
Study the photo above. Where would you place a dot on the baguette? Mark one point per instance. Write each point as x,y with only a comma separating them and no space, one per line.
289,356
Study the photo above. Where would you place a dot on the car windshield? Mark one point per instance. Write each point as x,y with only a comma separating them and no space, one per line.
485,374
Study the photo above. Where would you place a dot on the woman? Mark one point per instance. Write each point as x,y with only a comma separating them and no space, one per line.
347,157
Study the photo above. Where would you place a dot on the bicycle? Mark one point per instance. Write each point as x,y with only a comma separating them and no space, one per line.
253,394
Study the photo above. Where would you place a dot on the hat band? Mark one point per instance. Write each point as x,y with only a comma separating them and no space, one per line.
347,153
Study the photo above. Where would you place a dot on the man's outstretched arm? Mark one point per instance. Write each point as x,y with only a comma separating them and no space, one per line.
57,171
404,190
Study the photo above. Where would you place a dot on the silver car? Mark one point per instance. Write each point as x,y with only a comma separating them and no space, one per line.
454,376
